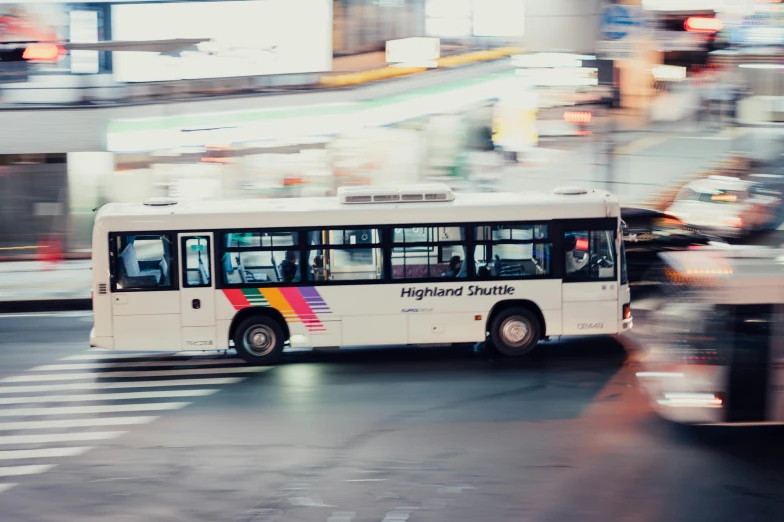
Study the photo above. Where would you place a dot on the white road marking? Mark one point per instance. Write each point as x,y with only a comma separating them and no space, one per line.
6,487
59,437
44,453
75,423
107,396
124,364
15,471
102,353
80,410
44,388
148,373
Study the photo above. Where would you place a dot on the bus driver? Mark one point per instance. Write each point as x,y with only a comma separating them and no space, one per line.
573,263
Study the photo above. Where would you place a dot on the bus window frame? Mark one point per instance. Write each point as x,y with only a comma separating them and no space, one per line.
428,247
555,234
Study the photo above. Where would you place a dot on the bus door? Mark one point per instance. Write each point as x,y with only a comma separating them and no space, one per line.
145,296
197,291
591,286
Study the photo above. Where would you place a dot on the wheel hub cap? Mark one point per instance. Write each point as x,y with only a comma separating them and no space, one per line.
515,332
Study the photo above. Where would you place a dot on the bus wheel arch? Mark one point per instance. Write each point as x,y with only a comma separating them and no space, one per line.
514,327
259,334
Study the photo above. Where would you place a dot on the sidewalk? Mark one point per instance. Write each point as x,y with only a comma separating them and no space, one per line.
31,280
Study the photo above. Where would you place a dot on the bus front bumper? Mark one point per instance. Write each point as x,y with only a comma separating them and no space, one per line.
101,342
626,325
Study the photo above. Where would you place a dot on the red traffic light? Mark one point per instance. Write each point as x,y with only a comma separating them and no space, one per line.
42,52
700,24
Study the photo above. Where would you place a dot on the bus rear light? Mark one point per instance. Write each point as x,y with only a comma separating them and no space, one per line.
627,311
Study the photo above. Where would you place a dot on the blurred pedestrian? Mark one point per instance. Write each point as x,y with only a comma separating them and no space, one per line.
50,251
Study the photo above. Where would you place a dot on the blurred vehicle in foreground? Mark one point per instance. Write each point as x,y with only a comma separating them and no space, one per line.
728,207
647,232
717,349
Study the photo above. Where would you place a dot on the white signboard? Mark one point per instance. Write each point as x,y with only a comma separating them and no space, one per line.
499,18
683,5
460,18
413,50
245,38
84,29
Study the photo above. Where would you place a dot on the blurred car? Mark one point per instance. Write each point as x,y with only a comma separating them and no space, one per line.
647,233
725,206
714,352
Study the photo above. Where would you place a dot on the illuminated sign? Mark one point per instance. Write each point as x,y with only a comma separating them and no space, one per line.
413,50
250,38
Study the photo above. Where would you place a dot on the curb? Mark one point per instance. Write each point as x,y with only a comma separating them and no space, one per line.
46,305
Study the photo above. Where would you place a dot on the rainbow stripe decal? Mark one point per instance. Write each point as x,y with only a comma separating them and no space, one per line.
297,304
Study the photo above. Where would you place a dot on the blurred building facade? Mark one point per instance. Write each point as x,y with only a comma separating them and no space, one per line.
57,164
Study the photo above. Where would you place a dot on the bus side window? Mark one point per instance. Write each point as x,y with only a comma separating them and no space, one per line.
143,262
196,260
512,250
590,255
345,255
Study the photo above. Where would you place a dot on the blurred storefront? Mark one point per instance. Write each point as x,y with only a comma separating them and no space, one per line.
361,26
33,201
278,152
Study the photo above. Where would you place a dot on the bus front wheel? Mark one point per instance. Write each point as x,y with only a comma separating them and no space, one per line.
514,331
259,340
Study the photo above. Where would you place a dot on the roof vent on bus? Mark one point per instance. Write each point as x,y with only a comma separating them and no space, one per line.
160,202
402,194
570,191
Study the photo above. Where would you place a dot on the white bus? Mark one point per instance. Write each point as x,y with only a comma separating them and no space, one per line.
373,266
717,351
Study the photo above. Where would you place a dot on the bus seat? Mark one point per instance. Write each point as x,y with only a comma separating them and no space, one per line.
133,271
204,274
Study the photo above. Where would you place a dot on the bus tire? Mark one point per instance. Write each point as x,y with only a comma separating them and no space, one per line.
259,340
514,331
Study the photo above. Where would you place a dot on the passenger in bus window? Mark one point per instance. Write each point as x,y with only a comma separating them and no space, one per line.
573,263
455,265
289,268
318,268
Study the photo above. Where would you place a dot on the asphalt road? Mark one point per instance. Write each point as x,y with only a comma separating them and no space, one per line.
383,435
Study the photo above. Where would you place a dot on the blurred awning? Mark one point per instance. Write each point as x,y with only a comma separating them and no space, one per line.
151,46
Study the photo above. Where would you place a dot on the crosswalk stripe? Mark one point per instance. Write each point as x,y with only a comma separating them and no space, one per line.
43,388
149,373
107,396
100,353
6,487
44,453
75,423
59,437
125,364
15,471
79,410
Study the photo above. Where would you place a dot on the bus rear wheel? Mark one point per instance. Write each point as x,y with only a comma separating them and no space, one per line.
514,331
259,340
